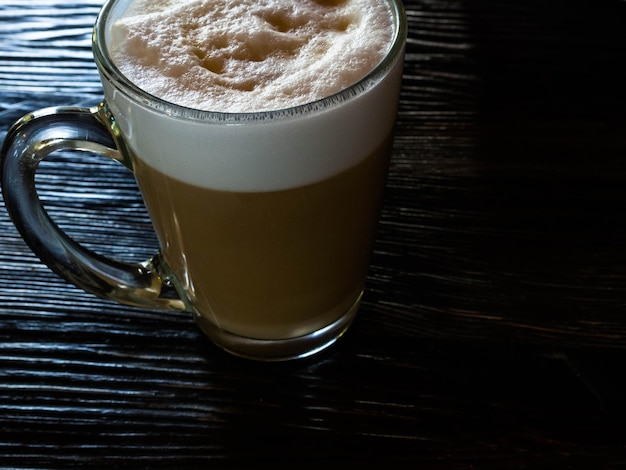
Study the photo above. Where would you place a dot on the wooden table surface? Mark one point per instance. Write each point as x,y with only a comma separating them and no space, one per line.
493,331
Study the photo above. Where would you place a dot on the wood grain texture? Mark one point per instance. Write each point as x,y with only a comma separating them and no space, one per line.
493,331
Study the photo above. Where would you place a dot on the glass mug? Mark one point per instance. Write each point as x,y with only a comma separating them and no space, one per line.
269,245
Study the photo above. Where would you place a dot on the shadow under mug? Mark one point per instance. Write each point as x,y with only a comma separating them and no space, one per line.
265,221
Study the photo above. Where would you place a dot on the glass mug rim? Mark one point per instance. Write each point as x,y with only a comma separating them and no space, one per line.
113,75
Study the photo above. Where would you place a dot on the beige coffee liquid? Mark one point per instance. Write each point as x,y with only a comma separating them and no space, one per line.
275,264
267,221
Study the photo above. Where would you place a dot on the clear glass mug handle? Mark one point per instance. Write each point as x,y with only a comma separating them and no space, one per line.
27,143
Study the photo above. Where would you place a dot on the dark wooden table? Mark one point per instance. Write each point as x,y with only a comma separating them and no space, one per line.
493,333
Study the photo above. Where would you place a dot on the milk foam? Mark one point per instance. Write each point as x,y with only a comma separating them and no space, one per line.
282,151
249,55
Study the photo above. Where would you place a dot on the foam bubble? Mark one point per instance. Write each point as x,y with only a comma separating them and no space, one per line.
249,55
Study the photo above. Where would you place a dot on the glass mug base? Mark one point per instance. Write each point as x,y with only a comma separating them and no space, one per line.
280,349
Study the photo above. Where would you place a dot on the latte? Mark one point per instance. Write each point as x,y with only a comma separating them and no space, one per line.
262,153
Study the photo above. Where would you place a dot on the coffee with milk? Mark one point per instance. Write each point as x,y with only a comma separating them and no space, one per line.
259,133
266,211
